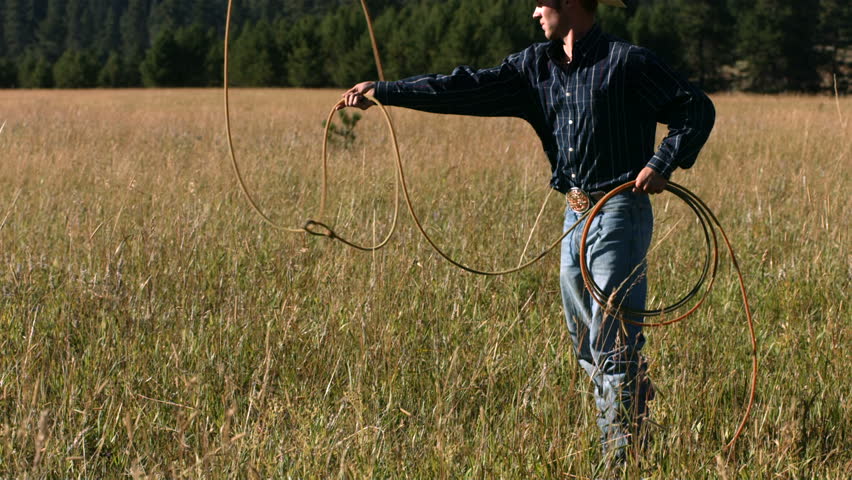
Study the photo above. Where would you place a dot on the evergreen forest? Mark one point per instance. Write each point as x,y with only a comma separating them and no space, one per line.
750,45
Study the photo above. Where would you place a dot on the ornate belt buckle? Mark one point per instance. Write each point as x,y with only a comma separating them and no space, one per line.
578,200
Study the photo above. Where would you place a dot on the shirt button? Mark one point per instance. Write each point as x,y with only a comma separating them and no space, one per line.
573,175
567,94
570,122
570,149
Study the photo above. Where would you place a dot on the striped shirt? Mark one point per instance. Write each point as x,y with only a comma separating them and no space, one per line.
596,116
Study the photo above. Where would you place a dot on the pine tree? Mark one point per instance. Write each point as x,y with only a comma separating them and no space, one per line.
178,59
208,13
253,57
651,28
8,73
75,69
460,44
167,15
494,24
304,63
17,25
52,30
615,21
34,71
108,38
346,46
134,38
2,31
403,36
75,37
704,29
522,32
775,40
112,73
194,43
162,65
800,35
214,60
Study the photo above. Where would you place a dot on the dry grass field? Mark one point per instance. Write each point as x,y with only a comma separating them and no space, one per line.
151,326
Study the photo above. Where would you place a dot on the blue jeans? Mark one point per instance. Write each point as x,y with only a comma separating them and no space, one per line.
608,349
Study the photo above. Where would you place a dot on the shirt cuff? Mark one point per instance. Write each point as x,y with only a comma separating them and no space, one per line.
662,166
381,90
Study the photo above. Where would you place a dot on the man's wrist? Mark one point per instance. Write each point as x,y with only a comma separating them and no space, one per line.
661,167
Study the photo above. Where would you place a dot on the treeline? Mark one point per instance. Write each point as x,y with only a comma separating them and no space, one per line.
752,45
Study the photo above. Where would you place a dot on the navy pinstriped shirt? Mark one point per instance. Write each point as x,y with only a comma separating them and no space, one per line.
596,116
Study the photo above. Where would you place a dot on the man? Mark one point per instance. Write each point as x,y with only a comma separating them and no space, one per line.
594,101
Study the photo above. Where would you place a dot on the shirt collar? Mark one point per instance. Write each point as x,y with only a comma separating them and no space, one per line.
582,47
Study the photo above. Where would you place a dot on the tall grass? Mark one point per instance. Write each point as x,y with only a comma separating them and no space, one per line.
152,326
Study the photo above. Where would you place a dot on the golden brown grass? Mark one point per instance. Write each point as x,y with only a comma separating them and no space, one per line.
153,326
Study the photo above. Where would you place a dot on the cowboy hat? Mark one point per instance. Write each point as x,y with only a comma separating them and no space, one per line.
613,3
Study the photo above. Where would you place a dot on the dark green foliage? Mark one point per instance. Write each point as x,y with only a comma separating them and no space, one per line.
346,131
305,62
51,32
114,72
75,69
34,71
178,59
705,33
108,35
344,37
255,59
80,27
834,37
771,34
757,45
2,31
133,28
8,73
162,65
405,33
213,63
17,25
195,43
167,15
652,27
614,21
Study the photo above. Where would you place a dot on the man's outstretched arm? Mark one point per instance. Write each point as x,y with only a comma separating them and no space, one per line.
500,91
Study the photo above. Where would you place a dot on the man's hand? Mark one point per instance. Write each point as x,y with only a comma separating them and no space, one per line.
649,181
354,97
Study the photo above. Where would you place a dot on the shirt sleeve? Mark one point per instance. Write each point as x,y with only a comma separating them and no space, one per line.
675,102
500,91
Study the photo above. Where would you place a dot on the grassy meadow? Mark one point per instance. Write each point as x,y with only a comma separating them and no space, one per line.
152,326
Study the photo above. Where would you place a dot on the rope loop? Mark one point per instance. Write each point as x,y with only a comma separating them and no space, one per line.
325,230
711,261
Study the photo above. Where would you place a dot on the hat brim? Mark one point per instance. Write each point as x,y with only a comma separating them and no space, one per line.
613,3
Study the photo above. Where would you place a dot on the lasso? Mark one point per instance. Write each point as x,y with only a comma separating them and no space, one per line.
705,215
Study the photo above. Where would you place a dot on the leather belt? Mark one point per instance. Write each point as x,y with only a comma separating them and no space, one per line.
580,201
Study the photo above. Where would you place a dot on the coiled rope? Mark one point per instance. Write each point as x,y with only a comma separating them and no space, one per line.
709,225
707,219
